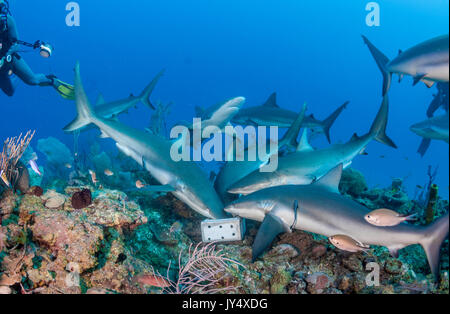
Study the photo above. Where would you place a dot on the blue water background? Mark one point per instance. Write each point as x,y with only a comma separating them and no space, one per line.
215,49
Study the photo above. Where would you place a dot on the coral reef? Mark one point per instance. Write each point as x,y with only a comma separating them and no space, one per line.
148,243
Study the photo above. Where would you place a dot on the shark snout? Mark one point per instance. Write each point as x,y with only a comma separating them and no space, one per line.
231,209
417,129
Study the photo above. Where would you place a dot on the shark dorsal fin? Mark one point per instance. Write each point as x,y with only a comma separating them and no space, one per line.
354,137
199,111
100,100
331,179
271,101
304,145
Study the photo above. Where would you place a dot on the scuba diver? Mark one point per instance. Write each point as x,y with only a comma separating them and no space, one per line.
12,63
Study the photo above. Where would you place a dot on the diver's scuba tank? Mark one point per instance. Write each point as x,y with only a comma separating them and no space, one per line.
4,11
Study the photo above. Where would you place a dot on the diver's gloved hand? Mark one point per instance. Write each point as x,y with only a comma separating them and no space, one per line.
64,89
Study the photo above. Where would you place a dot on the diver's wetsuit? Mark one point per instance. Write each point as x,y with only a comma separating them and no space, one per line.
18,64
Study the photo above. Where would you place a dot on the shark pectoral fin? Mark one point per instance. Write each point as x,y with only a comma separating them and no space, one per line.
419,77
103,135
269,229
347,164
128,152
331,180
304,145
428,83
393,250
424,145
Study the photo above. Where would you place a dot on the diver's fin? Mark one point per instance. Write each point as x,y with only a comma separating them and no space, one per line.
145,95
64,89
290,137
433,237
269,229
271,101
423,147
304,145
382,62
328,122
378,129
331,179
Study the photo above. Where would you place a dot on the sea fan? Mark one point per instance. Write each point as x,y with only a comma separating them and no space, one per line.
202,272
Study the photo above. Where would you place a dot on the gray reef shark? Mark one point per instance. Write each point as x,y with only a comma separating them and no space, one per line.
220,115
320,209
233,171
306,164
440,100
270,114
427,62
184,179
435,128
112,109
217,116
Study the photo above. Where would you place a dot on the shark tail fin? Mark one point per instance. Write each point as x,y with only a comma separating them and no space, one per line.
328,122
434,236
290,137
147,92
382,62
85,112
378,129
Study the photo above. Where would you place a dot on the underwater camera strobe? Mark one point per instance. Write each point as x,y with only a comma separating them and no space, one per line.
45,49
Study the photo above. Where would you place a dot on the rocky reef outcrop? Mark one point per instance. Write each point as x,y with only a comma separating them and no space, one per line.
47,245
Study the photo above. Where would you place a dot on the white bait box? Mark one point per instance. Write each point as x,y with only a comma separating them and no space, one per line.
223,230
